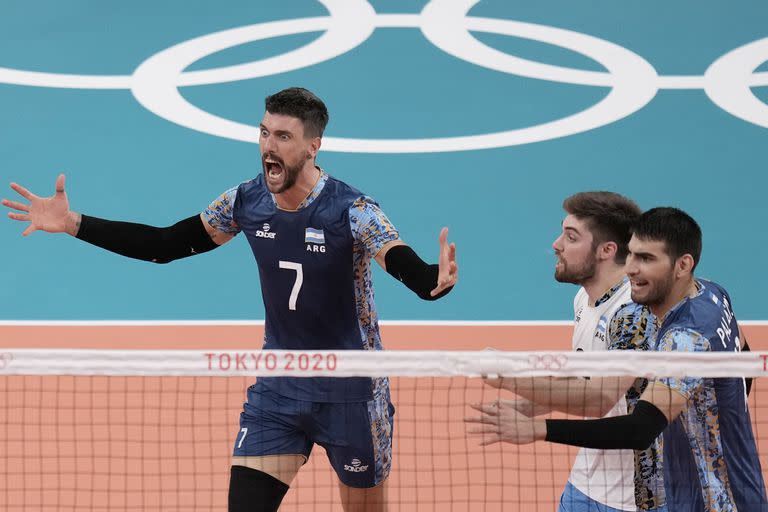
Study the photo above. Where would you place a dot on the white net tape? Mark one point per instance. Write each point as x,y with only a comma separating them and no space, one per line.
407,363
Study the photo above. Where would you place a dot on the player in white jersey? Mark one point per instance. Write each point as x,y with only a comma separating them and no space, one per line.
607,477
591,251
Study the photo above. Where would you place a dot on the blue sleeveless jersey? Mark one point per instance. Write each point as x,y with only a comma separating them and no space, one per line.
314,267
710,456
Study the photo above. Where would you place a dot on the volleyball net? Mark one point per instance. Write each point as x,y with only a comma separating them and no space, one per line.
129,430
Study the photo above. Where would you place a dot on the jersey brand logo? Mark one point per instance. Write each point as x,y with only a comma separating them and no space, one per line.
265,233
355,466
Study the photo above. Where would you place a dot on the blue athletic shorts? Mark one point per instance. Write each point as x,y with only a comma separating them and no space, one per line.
573,500
357,436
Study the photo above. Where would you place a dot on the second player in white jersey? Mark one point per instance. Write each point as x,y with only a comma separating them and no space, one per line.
590,250
607,476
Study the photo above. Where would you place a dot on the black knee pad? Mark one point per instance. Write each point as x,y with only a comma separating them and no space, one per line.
251,490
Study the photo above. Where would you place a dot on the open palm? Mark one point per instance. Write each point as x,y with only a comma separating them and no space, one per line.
49,214
448,270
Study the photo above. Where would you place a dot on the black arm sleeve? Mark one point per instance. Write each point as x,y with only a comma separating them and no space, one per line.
148,243
636,431
404,264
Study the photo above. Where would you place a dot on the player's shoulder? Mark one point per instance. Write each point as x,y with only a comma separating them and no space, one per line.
683,338
712,295
705,309
617,297
341,188
622,295
631,310
252,190
631,327
346,195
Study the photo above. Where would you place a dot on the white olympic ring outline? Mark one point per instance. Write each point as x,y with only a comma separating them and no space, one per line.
632,80
5,360
547,361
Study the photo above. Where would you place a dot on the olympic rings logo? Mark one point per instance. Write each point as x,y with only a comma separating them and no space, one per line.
5,360
632,80
547,361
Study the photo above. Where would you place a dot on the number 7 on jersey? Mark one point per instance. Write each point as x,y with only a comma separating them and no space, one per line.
296,285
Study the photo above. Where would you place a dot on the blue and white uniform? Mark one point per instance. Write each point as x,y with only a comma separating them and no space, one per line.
314,267
710,456
706,458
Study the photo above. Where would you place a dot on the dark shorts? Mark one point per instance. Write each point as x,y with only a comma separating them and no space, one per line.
357,436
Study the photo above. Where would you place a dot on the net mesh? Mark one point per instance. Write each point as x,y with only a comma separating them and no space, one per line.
151,430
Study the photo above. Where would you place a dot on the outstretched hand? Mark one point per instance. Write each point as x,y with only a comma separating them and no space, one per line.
49,214
502,421
448,270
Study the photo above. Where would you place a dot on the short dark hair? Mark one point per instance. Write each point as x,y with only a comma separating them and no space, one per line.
679,232
609,217
302,104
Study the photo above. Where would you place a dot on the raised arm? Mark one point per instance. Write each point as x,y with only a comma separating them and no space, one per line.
430,282
158,245
381,241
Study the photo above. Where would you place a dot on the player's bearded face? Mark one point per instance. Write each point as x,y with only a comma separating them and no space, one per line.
280,175
285,151
651,272
575,272
575,252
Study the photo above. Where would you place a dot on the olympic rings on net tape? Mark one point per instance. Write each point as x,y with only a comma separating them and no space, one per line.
547,362
632,80
5,359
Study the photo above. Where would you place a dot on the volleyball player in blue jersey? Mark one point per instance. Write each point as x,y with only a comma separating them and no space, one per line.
710,457
313,238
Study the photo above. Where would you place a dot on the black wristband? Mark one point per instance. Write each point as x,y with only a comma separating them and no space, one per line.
148,243
636,431
404,264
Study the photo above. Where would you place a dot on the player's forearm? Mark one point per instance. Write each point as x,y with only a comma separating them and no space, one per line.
632,431
568,395
540,409
406,266
147,243
576,396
